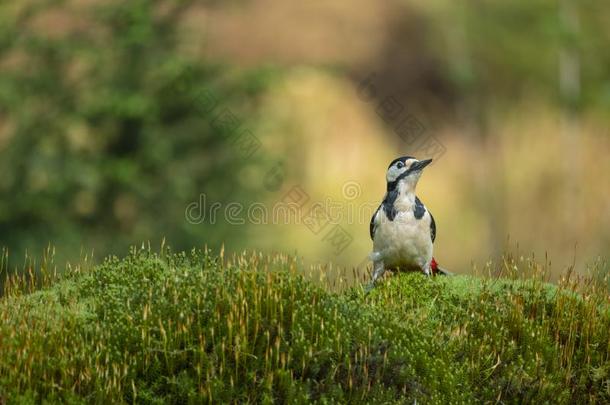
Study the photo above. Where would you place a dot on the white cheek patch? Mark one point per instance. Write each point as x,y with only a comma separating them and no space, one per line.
394,172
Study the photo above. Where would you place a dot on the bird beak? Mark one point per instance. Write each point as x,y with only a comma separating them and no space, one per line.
421,164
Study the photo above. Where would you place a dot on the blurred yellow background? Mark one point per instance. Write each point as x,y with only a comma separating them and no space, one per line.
524,190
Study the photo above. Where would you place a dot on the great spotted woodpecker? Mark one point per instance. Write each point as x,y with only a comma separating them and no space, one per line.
402,228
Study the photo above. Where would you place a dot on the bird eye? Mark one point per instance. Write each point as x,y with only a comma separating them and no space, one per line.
400,165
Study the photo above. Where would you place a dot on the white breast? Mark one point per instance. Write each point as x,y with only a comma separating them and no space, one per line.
404,242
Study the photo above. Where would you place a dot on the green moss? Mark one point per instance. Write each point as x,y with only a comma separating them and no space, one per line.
182,328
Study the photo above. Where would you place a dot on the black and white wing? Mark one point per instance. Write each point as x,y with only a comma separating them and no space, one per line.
419,210
374,223
432,227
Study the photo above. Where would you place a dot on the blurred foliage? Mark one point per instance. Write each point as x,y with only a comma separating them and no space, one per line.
107,129
502,52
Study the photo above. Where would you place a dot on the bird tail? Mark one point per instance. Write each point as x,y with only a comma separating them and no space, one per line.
445,272
436,269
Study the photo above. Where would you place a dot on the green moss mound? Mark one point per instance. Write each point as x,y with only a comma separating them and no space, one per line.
182,328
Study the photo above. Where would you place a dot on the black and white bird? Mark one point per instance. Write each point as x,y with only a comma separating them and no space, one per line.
402,228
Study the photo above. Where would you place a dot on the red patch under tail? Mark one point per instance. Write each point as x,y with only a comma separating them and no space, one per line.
434,266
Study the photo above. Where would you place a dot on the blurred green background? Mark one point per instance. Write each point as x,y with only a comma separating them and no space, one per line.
117,119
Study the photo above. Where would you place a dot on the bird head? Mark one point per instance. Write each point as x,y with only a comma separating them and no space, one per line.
405,170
